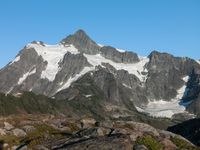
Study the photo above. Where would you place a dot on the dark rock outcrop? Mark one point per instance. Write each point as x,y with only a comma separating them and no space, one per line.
119,57
169,71
189,129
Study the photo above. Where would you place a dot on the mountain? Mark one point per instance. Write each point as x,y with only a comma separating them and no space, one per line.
80,94
123,83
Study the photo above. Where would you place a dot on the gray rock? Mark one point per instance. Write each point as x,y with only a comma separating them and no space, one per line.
29,128
116,142
119,57
2,132
41,147
140,147
169,71
19,132
82,42
8,126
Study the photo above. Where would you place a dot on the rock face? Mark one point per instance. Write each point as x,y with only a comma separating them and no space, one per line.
10,74
82,42
119,57
169,71
192,95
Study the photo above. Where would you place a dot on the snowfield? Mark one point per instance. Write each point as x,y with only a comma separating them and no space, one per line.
135,68
53,54
161,108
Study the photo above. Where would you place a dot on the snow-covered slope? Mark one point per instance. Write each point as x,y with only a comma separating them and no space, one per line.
53,54
134,68
162,108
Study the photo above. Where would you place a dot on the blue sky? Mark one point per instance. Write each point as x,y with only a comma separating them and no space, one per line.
172,26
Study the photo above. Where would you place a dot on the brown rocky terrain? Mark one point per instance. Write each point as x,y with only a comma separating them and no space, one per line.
43,132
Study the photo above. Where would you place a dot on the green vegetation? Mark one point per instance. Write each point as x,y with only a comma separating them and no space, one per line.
129,126
182,144
73,127
11,140
150,142
28,103
42,133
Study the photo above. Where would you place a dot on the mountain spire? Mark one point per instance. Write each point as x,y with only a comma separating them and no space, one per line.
82,42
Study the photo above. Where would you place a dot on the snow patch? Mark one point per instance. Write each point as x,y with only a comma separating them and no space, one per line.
53,54
15,60
186,78
23,78
87,96
163,108
183,90
10,90
74,78
100,45
120,50
134,68
126,86
198,61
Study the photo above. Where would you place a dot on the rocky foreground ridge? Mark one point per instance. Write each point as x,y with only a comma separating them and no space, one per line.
43,132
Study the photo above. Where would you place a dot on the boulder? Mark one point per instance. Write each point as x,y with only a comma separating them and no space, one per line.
88,122
2,132
19,132
8,126
29,128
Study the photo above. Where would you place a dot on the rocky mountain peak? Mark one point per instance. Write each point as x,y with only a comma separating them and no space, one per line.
81,33
82,42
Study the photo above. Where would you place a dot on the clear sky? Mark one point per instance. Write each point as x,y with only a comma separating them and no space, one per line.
172,26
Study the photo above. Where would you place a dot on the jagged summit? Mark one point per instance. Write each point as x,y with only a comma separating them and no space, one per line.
82,42
81,33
